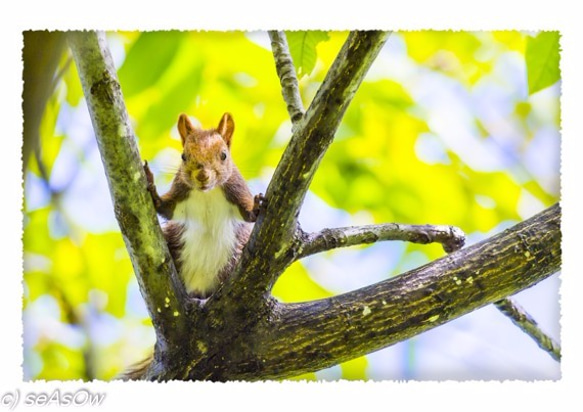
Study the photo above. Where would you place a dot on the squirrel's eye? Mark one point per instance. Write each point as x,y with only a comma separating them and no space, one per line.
183,157
223,155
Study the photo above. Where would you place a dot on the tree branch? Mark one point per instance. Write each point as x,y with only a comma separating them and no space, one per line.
152,263
286,71
529,326
450,237
315,335
265,256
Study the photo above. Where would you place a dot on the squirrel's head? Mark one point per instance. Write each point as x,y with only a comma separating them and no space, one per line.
206,156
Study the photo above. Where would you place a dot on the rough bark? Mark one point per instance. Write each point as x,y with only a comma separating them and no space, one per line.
323,333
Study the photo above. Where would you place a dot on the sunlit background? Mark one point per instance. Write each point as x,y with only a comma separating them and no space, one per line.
443,130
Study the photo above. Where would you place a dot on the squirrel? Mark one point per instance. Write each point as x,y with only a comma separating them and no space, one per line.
209,210
209,207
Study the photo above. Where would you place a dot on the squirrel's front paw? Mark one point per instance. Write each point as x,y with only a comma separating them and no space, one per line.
152,187
259,202
149,175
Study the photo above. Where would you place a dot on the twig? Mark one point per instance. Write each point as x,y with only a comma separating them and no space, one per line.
450,237
529,326
287,77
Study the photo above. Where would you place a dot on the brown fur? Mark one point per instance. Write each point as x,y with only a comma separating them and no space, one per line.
202,153
206,163
172,232
137,371
202,163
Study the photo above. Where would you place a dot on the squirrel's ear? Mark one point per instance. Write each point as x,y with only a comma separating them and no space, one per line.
185,127
226,128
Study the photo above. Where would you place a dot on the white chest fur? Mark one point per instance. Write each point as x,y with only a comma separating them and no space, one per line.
209,237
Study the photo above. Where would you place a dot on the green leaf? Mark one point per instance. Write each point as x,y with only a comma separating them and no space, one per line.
51,143
302,46
542,60
74,90
148,59
161,115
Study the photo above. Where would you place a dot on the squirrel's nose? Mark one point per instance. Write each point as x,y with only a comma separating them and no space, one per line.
203,176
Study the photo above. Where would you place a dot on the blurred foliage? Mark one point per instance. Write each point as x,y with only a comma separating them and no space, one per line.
392,161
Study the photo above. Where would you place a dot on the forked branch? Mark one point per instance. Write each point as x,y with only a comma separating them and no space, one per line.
314,335
450,237
266,254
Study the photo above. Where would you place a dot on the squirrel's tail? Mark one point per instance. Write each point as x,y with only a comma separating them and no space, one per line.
137,371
